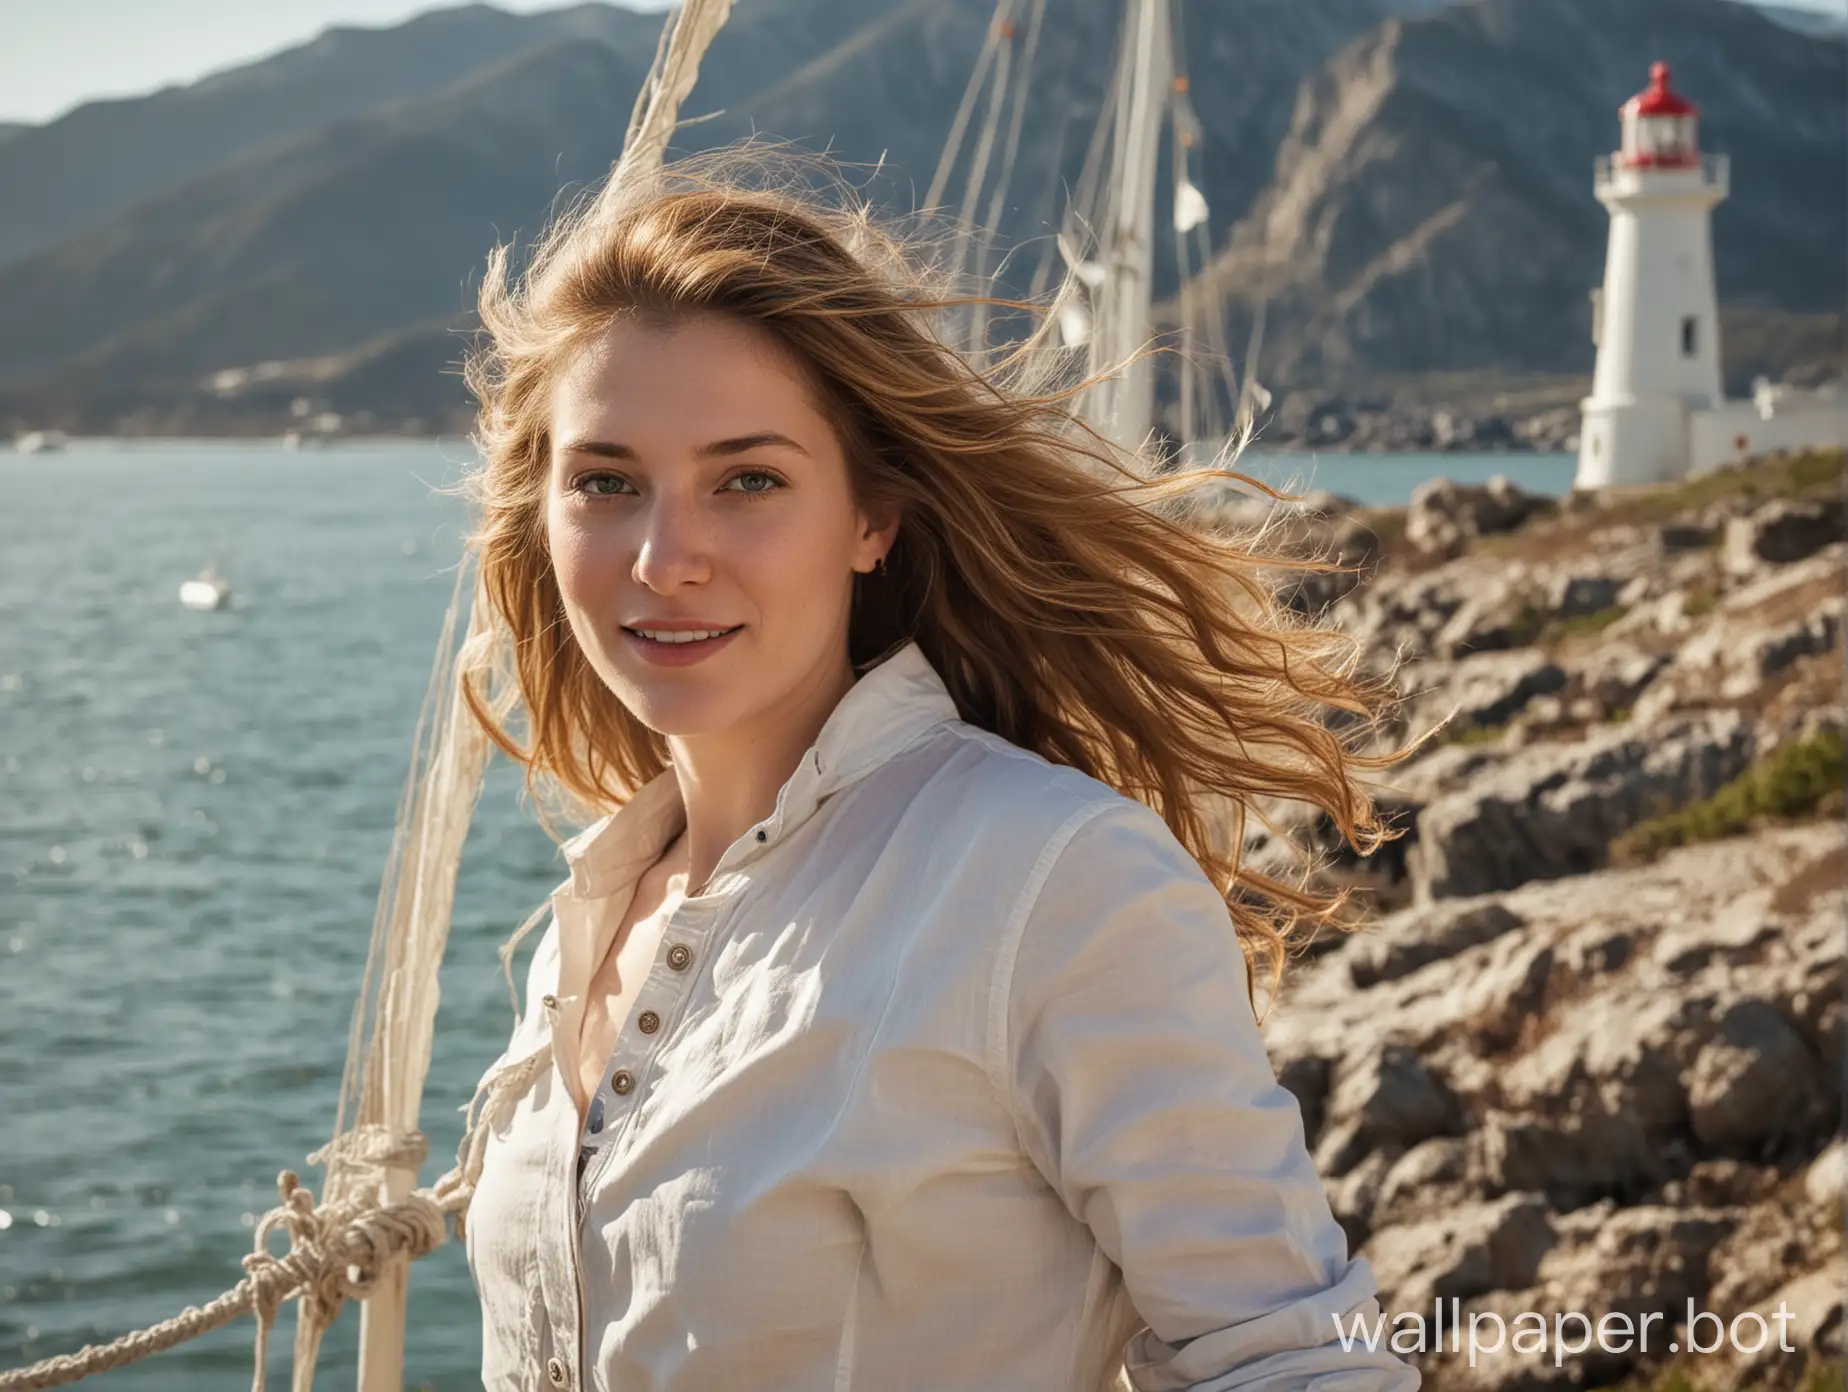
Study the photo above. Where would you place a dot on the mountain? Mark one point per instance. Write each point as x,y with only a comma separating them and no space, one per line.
80,170
1434,210
1408,192
361,235
1820,22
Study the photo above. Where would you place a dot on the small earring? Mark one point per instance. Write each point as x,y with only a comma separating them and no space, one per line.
879,566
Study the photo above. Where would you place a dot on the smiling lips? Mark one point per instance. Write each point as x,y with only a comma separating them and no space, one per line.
681,635
678,644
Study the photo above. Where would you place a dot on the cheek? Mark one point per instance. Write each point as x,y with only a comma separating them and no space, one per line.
582,556
797,561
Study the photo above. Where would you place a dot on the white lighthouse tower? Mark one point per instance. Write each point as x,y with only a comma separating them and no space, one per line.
1656,321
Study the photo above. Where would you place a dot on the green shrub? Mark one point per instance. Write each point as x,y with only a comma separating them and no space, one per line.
1580,625
1477,734
1792,782
1526,626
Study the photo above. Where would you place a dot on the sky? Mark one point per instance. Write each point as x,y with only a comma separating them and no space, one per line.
56,54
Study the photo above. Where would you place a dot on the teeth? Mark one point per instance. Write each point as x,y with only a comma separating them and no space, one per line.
694,635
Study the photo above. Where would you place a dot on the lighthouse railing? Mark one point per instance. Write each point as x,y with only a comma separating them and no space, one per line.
1613,174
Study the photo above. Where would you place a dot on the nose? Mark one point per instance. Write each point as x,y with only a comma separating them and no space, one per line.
675,549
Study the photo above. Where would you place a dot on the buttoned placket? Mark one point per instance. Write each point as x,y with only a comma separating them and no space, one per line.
687,941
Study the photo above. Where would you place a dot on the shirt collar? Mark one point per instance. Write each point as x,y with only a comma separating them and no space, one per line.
883,712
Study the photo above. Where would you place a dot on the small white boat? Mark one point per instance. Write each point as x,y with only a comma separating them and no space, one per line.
41,442
206,590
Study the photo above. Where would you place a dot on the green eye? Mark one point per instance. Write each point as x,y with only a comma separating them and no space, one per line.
755,481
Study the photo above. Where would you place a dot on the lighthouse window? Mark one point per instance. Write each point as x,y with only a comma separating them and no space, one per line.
1690,336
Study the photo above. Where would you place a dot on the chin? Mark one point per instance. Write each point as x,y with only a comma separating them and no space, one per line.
688,705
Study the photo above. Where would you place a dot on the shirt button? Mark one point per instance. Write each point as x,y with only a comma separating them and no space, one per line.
555,1372
762,835
679,956
623,1083
649,1022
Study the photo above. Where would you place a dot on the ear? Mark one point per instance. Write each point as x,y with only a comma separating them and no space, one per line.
878,531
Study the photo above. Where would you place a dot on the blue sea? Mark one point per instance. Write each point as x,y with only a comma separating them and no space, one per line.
195,812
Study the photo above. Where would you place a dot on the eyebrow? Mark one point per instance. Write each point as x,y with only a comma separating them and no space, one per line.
718,449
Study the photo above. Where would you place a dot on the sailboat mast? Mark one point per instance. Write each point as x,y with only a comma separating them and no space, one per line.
1130,248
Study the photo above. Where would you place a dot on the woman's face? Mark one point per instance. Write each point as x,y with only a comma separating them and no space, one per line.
702,526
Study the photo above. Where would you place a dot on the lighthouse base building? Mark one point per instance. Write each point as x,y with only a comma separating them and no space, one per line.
1656,410
1776,418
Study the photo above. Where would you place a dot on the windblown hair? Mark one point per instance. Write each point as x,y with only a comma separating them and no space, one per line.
1072,604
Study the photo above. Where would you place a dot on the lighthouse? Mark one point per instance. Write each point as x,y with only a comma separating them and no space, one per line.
1656,321
1656,410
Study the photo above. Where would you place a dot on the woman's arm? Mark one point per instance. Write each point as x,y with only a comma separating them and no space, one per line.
1145,1095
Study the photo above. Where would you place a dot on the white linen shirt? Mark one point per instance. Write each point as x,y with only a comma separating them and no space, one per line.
948,1080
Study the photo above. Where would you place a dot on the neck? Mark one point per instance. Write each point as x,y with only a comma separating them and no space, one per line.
729,779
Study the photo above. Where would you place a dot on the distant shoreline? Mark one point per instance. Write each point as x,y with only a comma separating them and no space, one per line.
1366,478
164,442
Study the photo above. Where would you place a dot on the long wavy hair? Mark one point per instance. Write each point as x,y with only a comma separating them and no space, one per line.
1074,602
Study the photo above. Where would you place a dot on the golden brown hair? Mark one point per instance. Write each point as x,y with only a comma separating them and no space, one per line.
1072,605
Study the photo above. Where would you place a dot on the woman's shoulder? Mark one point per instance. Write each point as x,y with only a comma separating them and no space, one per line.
1000,789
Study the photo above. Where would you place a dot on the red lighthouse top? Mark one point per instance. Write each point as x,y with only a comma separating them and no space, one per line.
1661,99
1661,128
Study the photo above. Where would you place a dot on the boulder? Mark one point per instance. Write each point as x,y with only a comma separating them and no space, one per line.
1623,1054
1554,810
1815,1303
1444,516
1737,936
1569,596
1753,1082
1646,1259
1739,653
1482,688
1613,675
1494,618
1573,1158
1410,939
1384,1098
1429,1177
1783,531
1496,1244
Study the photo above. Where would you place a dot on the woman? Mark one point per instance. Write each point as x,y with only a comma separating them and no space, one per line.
893,1031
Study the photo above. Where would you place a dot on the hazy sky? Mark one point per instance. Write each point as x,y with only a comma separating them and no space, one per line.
57,53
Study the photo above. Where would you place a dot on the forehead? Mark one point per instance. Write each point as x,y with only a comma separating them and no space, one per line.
701,371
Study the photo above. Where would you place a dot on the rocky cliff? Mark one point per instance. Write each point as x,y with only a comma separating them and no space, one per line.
1588,1056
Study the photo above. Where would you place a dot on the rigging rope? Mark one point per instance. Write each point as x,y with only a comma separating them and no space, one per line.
336,1252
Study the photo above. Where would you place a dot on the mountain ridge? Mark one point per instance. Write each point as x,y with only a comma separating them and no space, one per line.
1409,191
1418,224
75,172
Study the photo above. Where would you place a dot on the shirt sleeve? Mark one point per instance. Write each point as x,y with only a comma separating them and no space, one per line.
1145,1096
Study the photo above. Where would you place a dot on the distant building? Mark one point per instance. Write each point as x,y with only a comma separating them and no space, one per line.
1657,410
